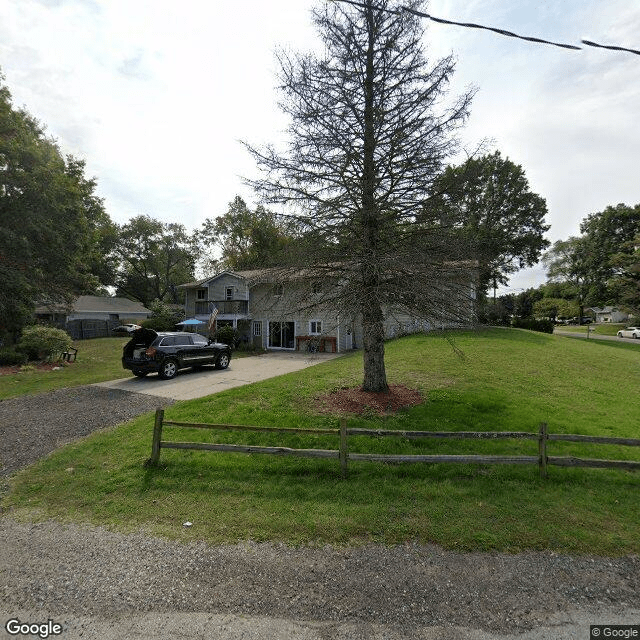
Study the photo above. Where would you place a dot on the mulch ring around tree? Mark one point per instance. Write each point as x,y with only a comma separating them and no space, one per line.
355,401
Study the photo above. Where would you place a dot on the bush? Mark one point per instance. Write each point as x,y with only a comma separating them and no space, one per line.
164,317
44,343
9,356
544,326
160,323
228,335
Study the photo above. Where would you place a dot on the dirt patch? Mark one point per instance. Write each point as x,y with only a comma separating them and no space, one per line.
40,366
356,401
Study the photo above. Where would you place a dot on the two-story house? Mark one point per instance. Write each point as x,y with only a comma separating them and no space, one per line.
272,315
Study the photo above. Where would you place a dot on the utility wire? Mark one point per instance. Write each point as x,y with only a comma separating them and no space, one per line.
502,32
613,48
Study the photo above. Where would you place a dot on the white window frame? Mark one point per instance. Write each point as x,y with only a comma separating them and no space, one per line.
201,294
257,329
228,293
315,327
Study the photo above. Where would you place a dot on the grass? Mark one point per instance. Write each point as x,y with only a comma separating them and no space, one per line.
97,360
599,329
508,380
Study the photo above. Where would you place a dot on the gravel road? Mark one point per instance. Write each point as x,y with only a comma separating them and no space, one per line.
97,583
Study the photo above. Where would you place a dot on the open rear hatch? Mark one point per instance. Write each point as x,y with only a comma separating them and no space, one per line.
141,340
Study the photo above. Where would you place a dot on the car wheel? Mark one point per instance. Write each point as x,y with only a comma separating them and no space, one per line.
222,361
139,374
619,334
169,369
636,336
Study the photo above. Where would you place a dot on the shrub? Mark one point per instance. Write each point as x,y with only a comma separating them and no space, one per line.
9,356
227,335
44,343
544,326
159,323
164,317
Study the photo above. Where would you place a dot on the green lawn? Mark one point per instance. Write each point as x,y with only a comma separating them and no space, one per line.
507,380
600,329
97,360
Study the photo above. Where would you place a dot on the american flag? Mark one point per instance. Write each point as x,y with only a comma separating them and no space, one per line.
212,317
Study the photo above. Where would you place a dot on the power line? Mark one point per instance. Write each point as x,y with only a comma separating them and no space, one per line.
612,47
501,32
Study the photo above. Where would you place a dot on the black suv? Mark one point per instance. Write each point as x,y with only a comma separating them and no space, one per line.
168,351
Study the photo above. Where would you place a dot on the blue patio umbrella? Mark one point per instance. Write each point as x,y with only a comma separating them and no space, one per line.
191,321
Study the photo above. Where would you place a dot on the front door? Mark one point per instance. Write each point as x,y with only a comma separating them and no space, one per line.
282,335
348,341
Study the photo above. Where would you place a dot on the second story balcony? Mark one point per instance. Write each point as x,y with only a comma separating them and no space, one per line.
225,307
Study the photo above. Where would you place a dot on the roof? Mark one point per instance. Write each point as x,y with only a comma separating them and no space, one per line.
97,304
604,309
280,274
243,275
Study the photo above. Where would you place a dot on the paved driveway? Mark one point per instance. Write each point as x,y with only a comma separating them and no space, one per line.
189,383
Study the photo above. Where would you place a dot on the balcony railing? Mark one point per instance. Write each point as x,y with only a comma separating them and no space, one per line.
225,307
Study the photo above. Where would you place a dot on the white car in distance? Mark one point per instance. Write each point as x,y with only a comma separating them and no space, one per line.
629,332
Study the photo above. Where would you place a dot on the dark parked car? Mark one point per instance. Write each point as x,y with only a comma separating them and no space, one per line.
168,351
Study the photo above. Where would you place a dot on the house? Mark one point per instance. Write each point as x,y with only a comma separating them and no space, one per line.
610,314
267,313
92,316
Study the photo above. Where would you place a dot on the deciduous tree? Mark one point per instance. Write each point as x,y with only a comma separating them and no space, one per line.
246,239
609,239
155,257
627,280
566,263
50,220
500,219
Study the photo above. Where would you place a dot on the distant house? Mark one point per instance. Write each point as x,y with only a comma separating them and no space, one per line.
609,314
267,313
92,316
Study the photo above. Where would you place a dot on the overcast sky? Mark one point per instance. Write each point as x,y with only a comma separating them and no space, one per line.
155,95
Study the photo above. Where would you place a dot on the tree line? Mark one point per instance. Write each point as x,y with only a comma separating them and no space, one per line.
598,268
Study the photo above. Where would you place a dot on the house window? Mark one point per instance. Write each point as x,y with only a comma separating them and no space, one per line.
315,327
201,294
228,293
257,329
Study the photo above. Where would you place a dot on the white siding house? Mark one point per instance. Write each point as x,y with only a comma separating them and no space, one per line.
268,315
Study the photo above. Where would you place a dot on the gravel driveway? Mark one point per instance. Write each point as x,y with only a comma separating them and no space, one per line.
34,426
103,584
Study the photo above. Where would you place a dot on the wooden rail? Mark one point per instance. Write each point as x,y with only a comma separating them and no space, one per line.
342,453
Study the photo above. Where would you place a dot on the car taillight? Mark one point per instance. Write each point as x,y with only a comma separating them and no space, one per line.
151,352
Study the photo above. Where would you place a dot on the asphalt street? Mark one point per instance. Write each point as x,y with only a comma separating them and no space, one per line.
594,336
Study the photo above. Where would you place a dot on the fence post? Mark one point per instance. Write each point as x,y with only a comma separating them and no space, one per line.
157,436
343,446
542,450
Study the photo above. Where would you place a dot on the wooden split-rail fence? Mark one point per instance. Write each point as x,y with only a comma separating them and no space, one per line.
342,453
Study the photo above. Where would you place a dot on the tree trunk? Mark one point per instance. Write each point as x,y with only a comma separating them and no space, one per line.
375,375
